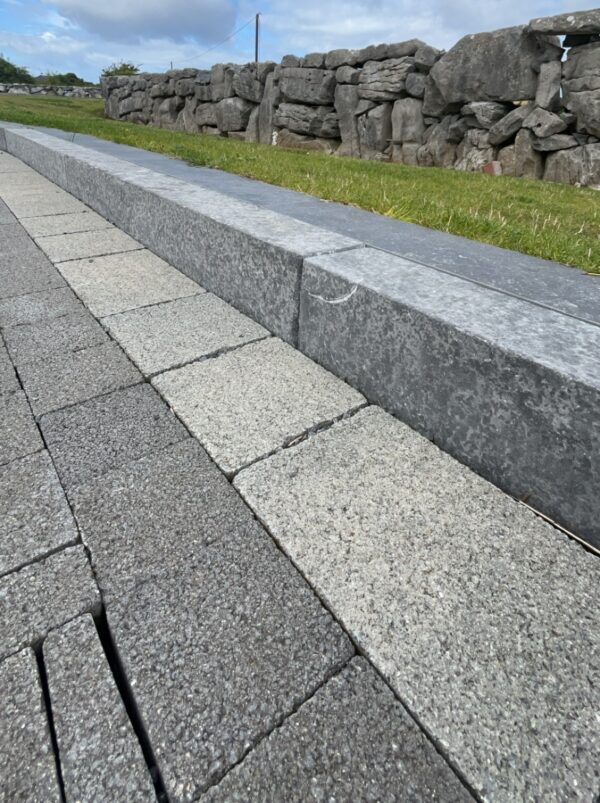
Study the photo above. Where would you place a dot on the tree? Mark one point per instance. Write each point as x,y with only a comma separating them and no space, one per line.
120,68
61,79
11,74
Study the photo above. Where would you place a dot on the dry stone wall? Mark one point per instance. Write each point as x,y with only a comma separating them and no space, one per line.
518,101
59,91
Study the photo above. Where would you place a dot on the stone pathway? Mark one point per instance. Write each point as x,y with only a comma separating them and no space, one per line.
223,575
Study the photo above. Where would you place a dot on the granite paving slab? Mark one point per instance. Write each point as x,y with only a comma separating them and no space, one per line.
10,164
28,275
79,245
122,282
47,339
43,203
6,216
43,596
243,633
26,756
8,378
252,401
69,378
19,435
156,515
91,438
64,224
39,306
35,518
172,334
483,618
100,756
352,741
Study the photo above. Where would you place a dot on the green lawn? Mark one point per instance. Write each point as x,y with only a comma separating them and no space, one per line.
554,221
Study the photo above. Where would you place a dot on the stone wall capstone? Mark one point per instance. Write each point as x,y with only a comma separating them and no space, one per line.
516,101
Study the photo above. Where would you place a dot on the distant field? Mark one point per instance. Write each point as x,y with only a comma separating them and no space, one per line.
553,221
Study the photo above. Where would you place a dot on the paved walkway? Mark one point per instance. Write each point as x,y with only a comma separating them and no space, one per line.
223,575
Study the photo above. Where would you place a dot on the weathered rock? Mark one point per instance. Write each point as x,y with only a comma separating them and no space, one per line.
266,111
346,103
289,139
203,93
337,58
578,22
458,127
438,151
221,81
291,61
185,87
186,120
307,86
506,157
320,121
246,84
555,142
434,104
375,132
508,126
384,80
252,131
347,75
425,57
528,162
206,114
233,114
548,90
314,60
161,90
168,111
544,123
581,86
487,113
501,65
407,121
565,166
415,84
134,103
474,152
397,50
263,69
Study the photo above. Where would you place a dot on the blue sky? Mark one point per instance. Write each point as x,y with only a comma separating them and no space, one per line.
83,36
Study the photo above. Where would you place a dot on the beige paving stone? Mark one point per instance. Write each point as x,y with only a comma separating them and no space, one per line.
79,245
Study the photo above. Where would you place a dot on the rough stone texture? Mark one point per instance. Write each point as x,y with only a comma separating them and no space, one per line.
266,112
352,740
375,131
26,756
69,378
53,202
102,434
544,123
319,121
19,435
43,596
243,632
307,86
47,339
6,215
528,161
511,690
581,86
100,756
407,121
487,113
555,142
64,224
78,245
385,80
508,126
33,307
500,66
232,114
120,282
520,403
577,22
172,334
35,518
289,139
252,401
346,101
27,275
8,378
547,95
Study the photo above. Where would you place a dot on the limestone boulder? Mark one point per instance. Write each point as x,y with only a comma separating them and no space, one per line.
233,114
415,84
307,86
555,142
486,113
425,57
438,150
565,166
206,114
506,157
168,110
318,121
501,65
529,163
314,60
266,110
581,86
246,84
290,139
347,75
544,123
407,121
508,126
474,152
346,104
375,132
253,131
185,87
385,80
221,81
547,95
133,103
577,22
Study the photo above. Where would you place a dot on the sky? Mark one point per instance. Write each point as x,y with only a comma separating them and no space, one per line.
83,36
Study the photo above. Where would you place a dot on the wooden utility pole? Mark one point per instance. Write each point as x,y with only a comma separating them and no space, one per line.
256,38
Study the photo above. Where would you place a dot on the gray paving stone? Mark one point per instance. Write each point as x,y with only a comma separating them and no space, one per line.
8,378
483,618
10,164
64,224
35,517
243,634
156,515
39,306
172,334
352,741
122,282
252,401
79,245
44,202
28,274
26,756
43,596
101,758
19,434
6,216
46,339
69,378
91,438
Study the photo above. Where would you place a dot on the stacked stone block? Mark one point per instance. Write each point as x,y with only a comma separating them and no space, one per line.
516,101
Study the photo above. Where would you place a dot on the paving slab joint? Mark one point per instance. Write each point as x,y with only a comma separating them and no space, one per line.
124,688
43,676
